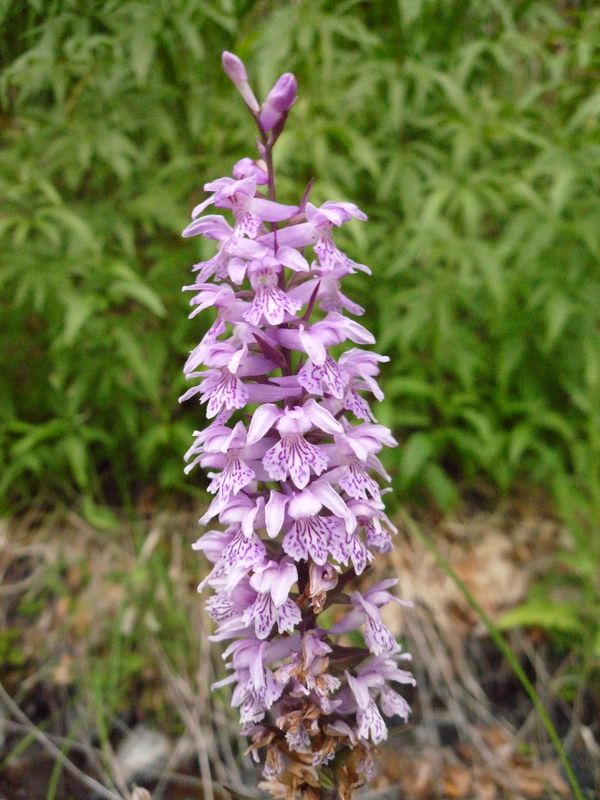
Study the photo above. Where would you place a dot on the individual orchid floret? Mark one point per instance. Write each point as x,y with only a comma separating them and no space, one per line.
239,554
291,454
246,168
270,303
236,462
220,388
250,210
314,340
316,231
365,613
231,247
273,605
370,722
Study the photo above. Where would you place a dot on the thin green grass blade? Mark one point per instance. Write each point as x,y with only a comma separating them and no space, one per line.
18,750
59,766
504,647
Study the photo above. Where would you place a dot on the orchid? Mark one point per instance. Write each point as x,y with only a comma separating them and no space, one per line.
291,453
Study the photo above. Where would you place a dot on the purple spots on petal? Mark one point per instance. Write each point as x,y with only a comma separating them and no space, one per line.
371,724
224,389
377,537
357,483
288,617
345,546
243,551
308,537
379,640
234,477
322,379
295,456
393,704
358,406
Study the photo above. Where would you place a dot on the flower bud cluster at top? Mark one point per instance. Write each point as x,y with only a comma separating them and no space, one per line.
292,452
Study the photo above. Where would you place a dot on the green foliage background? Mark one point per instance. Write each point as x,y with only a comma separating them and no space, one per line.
468,130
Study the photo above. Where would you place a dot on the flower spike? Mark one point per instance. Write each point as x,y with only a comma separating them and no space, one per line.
291,456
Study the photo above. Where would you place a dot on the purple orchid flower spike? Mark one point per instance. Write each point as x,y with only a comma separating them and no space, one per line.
291,453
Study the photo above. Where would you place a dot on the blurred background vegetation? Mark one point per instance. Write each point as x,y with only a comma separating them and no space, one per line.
469,131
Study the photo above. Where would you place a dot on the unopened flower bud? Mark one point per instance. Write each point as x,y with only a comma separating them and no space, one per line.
246,168
236,72
279,101
234,67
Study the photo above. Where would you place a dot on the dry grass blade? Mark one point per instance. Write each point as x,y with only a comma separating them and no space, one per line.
55,751
187,707
505,649
139,793
466,736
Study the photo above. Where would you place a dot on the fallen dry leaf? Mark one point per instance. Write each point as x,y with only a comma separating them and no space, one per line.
62,674
457,781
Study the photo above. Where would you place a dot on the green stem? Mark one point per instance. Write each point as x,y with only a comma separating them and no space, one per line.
504,647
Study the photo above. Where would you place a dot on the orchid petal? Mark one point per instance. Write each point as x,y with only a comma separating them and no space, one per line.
275,513
321,418
263,420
